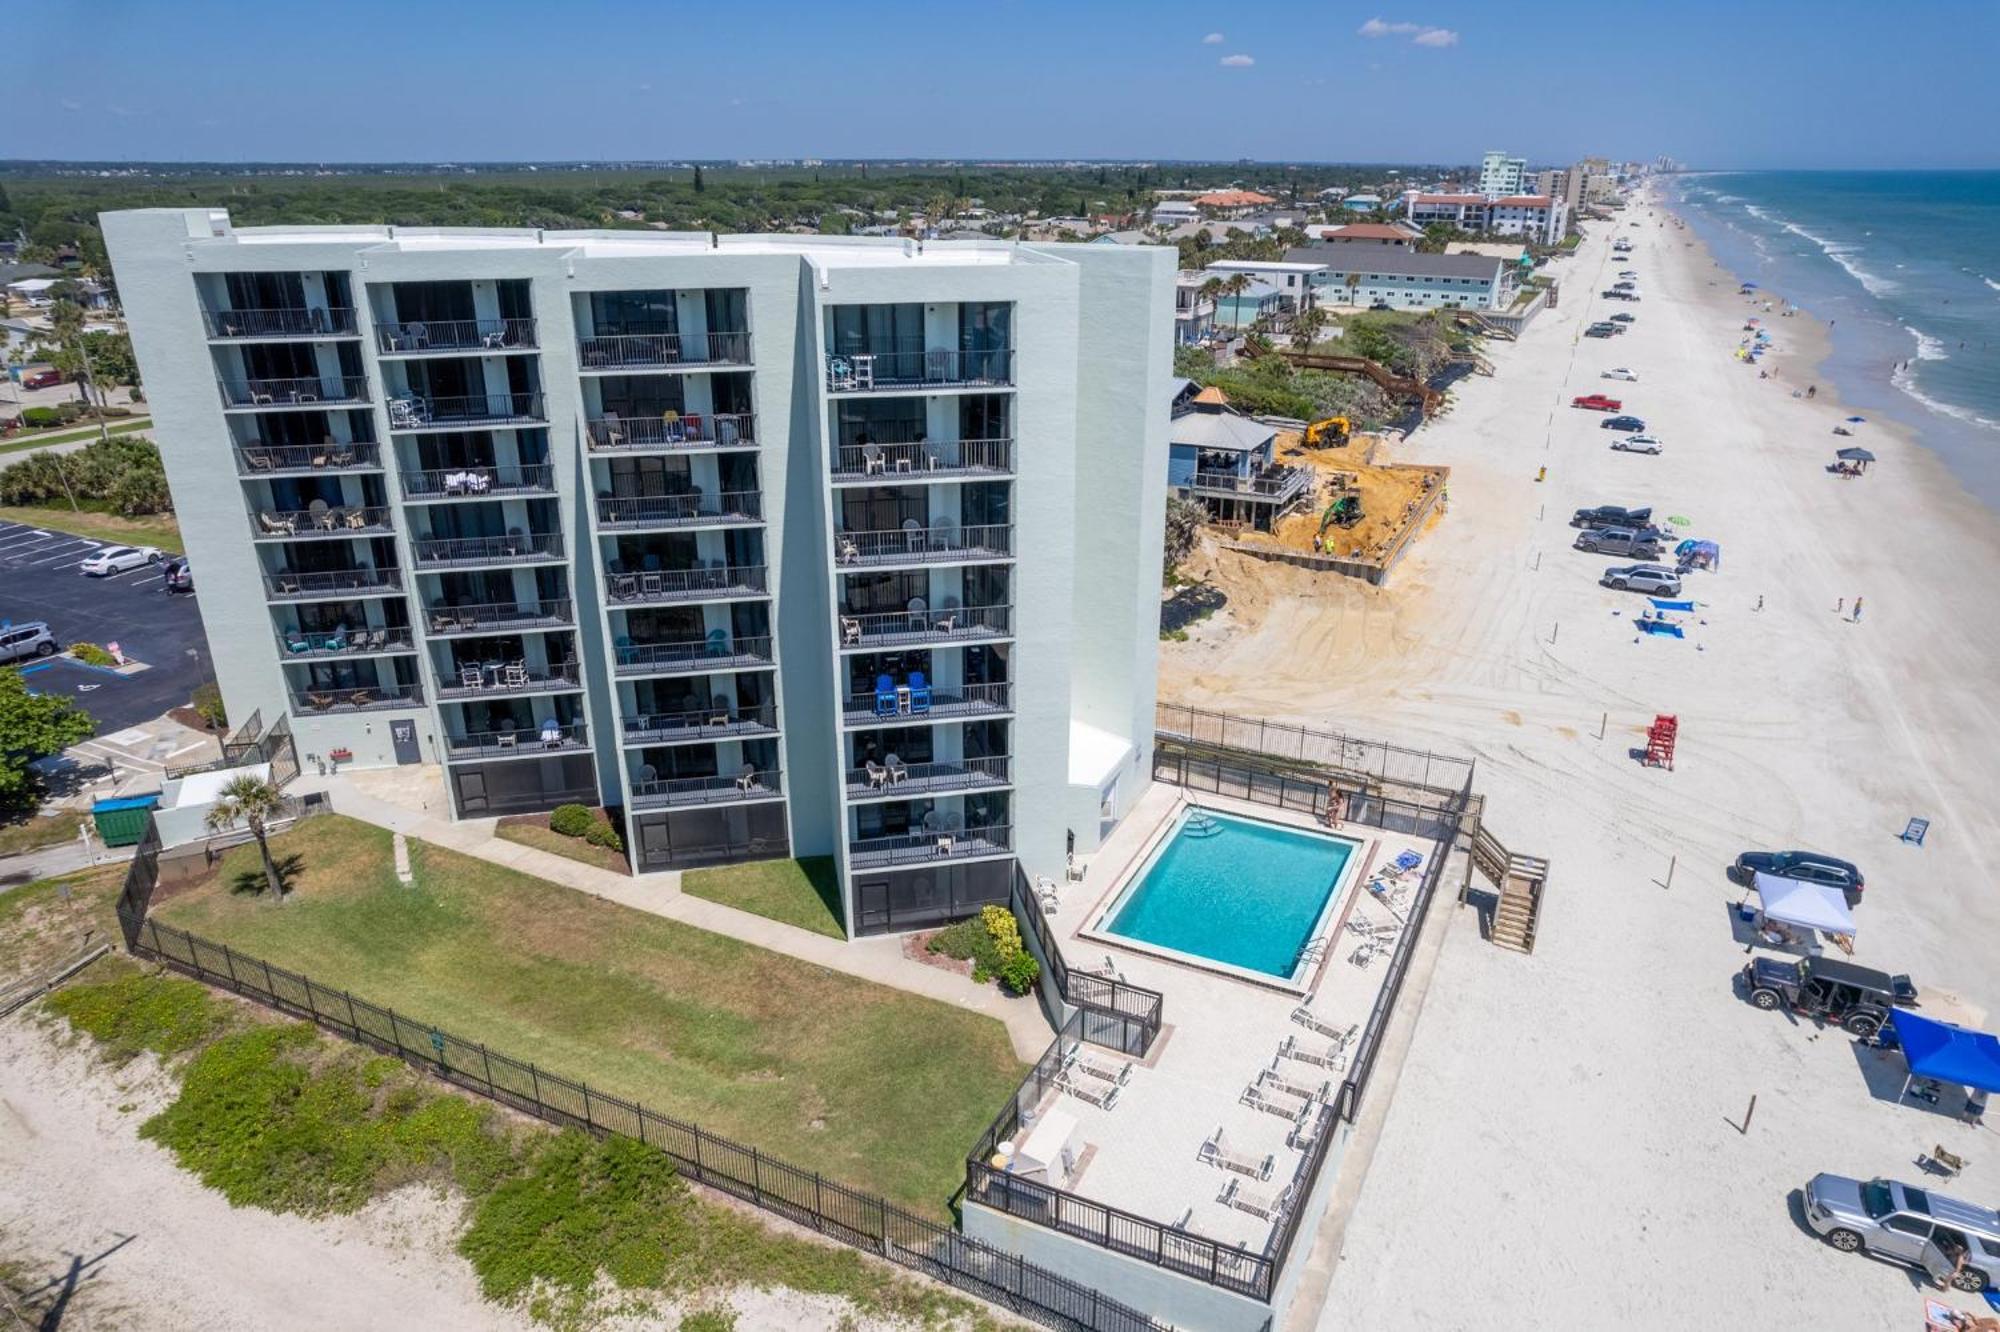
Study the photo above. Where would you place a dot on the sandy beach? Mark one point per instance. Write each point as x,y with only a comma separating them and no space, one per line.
1564,1138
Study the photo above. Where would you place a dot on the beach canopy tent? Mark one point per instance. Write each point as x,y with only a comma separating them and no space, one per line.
1812,906
1946,1053
1693,553
1855,455
1857,420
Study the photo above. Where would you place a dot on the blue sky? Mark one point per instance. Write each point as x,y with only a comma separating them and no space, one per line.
1778,83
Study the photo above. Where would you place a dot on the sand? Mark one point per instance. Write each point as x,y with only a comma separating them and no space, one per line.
1562,1149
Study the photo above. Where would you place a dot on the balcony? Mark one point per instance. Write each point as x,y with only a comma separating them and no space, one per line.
299,645
731,508
306,459
500,617
438,337
320,521
549,737
901,703
672,432
280,325
907,628
894,779
918,371
492,482
663,351
513,548
333,583
375,698
496,679
721,722
921,848
920,462
478,409
914,544
666,586
717,652
1278,485
251,395
674,792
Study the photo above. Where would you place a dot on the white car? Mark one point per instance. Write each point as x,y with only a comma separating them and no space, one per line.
1621,373
1637,444
117,559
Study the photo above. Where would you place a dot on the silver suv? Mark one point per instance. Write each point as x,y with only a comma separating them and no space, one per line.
1909,1226
1653,578
31,639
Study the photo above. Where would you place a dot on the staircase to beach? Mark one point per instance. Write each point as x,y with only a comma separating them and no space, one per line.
1521,881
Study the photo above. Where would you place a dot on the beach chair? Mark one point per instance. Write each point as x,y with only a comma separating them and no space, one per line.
1090,1093
1046,894
1267,1204
1369,950
1944,1162
1405,864
1279,1078
1307,1131
1104,1070
1306,1018
1272,1101
1217,1152
1331,1056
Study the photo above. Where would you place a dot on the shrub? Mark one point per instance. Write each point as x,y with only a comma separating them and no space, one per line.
606,836
113,413
68,411
137,1012
572,820
40,417
1006,931
1020,972
91,655
969,940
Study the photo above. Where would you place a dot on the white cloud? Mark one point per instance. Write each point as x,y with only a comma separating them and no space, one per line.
1238,61
1213,39
1436,37
71,104
1377,28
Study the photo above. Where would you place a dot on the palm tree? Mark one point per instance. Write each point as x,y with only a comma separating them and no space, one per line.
1306,326
1234,286
252,801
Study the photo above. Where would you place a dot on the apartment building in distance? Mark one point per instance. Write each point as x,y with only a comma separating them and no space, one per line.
1501,175
779,545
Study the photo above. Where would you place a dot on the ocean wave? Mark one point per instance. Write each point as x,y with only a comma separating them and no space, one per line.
1838,251
1989,282
1906,382
1928,347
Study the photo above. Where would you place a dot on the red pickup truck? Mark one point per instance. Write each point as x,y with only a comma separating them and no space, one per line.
1597,402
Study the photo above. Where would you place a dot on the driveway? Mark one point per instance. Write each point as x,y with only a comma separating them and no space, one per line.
40,580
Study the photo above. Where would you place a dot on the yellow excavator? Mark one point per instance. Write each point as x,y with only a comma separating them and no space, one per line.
1328,433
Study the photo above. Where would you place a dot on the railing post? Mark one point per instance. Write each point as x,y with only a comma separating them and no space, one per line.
486,1061
588,1122
227,961
756,1178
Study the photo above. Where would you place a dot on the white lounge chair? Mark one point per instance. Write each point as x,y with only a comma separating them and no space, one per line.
1102,1096
1272,1101
1217,1152
1279,1078
1270,1204
1104,1070
1331,1056
1305,1017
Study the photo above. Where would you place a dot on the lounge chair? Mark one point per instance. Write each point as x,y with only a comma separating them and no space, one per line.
360,698
1306,1132
358,518
1272,1100
920,694
277,524
1305,1017
1269,1204
1104,1070
319,702
1101,1095
259,459
1217,1152
1046,894
1331,1056
1278,1077
1405,863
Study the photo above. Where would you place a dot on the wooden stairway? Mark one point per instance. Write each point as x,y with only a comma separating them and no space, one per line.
1521,880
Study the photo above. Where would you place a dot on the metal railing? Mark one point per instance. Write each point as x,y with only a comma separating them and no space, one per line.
281,322
317,391
924,545
898,628
668,585
327,521
743,506
455,682
921,848
1441,773
476,481
1116,1013
699,654
666,793
538,738
443,335
916,460
442,551
626,351
907,779
722,720
330,583
894,704
251,743
414,413
501,616
907,368
672,430
351,699
1288,482
297,644
256,459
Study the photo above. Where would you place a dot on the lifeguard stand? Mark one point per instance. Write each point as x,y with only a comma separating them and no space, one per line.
1660,738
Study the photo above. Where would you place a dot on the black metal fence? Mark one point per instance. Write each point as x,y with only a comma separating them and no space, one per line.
1115,1013
1442,773
249,744
1243,778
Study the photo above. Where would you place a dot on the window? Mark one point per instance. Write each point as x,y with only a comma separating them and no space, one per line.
1909,1225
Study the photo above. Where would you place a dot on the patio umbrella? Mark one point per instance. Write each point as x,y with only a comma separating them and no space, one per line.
1857,420
1855,455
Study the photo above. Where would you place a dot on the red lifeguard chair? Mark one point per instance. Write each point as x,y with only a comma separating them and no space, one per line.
1660,741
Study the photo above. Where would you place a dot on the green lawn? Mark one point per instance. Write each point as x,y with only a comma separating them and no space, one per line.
158,529
882,1089
45,923
69,434
37,831
572,848
805,893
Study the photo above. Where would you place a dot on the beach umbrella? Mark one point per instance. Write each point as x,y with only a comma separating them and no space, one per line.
1855,455
1857,420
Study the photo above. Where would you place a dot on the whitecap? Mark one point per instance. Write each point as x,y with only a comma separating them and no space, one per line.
1905,380
1928,347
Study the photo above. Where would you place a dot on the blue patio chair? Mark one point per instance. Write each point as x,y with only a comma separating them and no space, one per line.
920,693
885,696
718,642
651,564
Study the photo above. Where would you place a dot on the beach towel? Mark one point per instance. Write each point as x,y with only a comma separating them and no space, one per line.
1659,627
1671,605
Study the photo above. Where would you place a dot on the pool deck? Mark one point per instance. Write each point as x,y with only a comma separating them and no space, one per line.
1142,1155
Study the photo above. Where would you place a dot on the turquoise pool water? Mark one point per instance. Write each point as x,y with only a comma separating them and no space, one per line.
1247,894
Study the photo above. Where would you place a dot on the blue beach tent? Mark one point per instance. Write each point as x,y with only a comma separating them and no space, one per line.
1945,1053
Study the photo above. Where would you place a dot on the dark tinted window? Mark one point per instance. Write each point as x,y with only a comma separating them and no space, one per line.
1909,1225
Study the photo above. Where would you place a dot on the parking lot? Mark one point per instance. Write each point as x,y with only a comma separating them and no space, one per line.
40,580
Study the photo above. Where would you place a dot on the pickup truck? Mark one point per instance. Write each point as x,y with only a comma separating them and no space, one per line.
1597,402
1612,515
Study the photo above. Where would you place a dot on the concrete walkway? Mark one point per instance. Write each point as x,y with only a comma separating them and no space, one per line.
16,871
877,959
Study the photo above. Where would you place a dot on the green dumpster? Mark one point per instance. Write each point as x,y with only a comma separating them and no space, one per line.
121,821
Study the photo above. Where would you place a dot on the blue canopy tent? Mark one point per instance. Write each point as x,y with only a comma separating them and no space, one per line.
1945,1053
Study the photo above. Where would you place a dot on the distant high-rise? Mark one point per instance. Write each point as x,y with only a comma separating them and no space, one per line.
1501,175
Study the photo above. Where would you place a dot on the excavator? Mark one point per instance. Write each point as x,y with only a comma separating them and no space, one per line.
1331,432
1343,512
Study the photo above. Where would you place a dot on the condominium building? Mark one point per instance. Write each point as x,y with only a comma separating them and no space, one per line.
774,545
1500,174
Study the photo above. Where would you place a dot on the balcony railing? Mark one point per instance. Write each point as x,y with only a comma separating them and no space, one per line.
896,778
488,678
489,409
325,520
300,645
720,722
280,322
901,370
924,460
692,656
899,701
415,337
668,585
904,628
672,430
640,351
331,583
272,459
921,847
348,699
324,391
666,793
1277,483
539,738
501,617
513,548
912,544
477,481
690,510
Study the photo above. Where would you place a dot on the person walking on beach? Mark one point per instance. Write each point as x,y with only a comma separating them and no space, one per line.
1812,390
1857,611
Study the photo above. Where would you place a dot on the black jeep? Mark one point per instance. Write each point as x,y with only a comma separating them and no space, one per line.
1858,999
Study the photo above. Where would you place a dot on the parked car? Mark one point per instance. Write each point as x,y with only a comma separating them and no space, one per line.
30,639
43,378
1637,444
1631,423
1611,515
117,559
178,574
1654,579
1627,285
1623,319
1856,999
1596,402
1601,330
1807,865
1628,272
1619,541
1617,295
1911,1226
1620,372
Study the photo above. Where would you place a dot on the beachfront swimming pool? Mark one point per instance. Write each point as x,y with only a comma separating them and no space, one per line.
1235,893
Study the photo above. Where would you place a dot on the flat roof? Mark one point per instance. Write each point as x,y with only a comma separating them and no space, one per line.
1402,263
1264,266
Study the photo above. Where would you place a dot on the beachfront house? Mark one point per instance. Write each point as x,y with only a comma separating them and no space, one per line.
1227,463
1387,234
1232,203
1293,282
1173,212
1194,313
1363,276
1362,203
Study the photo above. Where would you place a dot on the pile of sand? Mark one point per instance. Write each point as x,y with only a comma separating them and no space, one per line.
1390,493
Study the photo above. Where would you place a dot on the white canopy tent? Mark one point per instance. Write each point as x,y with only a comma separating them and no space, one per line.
1813,906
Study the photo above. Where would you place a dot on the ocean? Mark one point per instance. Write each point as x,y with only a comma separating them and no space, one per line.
1907,266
